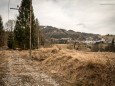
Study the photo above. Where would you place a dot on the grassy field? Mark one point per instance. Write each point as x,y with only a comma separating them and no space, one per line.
77,68
73,68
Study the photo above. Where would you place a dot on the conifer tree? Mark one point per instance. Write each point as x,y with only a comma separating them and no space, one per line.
38,33
22,29
112,46
10,41
1,32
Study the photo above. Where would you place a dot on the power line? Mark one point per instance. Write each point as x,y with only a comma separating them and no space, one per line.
14,8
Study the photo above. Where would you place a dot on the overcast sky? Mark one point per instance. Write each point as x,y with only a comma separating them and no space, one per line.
78,15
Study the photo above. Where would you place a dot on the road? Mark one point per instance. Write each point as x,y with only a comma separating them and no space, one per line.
16,71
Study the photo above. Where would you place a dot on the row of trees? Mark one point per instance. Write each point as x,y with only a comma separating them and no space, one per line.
19,34
110,47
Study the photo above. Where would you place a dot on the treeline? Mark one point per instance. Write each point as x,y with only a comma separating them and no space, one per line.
95,47
18,32
104,47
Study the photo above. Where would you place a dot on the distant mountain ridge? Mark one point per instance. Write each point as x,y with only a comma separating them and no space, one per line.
57,33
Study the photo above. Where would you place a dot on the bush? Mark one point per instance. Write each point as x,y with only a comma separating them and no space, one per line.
11,42
95,48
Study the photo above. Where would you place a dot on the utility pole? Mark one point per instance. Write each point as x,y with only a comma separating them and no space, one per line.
30,26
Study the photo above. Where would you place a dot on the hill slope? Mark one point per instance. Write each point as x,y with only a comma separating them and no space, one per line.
53,32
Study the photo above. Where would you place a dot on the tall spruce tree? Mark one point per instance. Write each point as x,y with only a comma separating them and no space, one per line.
112,46
38,33
10,27
10,41
1,32
40,37
22,29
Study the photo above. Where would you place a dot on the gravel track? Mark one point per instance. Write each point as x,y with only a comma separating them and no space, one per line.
20,73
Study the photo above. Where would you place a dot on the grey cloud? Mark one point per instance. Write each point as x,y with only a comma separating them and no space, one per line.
68,13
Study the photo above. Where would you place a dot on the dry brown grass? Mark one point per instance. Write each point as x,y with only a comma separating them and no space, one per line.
3,66
75,68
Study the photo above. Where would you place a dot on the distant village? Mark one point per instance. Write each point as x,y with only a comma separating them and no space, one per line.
89,40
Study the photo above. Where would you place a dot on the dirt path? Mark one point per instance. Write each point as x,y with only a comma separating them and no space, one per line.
20,73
